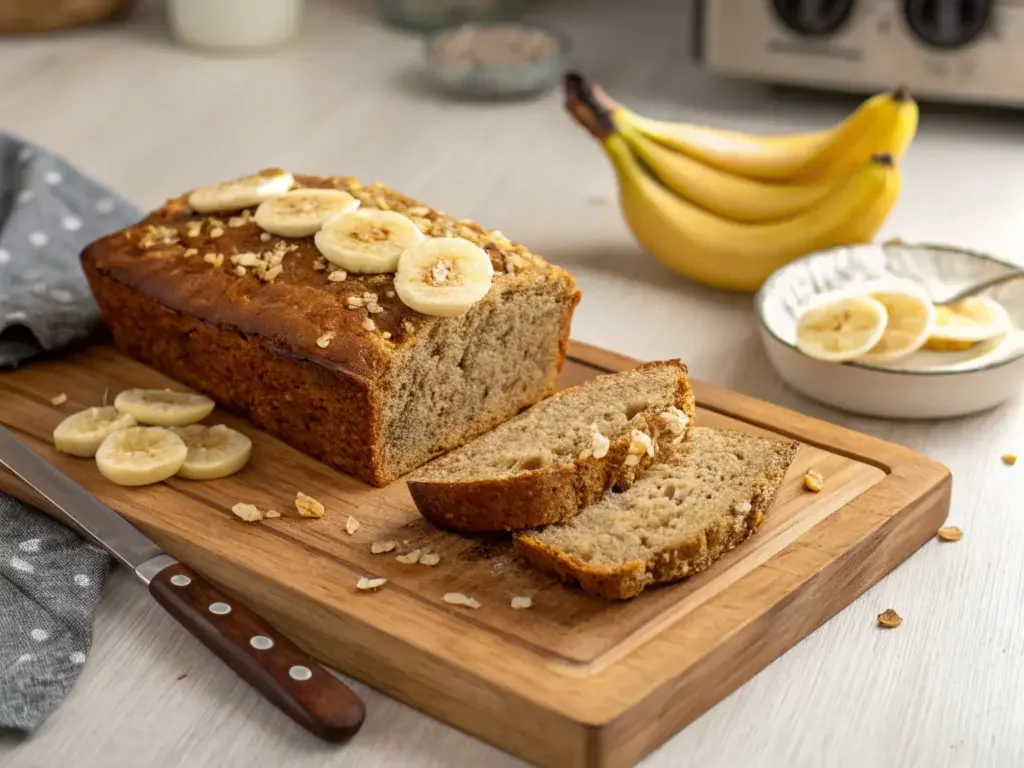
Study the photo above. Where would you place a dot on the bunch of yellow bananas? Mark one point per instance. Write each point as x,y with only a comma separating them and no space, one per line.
727,209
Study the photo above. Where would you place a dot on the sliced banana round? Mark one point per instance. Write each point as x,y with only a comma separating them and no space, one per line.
213,452
367,241
911,319
968,322
140,455
241,193
80,434
163,407
841,327
443,276
302,212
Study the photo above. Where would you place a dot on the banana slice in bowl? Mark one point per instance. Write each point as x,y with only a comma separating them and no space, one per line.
164,407
140,455
968,322
911,320
81,434
302,212
841,327
367,241
213,452
443,276
241,193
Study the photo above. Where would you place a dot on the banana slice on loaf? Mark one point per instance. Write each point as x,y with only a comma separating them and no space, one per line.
564,453
367,241
301,212
676,520
241,193
443,276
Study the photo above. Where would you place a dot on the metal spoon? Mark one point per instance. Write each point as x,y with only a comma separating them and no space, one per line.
977,288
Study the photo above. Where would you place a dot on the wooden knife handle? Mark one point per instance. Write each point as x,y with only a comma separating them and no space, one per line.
270,662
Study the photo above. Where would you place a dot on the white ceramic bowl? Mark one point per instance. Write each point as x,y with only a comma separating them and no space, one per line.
925,385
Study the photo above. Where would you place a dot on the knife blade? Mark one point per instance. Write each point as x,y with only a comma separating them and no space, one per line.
265,658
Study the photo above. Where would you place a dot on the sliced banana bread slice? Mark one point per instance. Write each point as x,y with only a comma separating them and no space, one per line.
678,517
562,454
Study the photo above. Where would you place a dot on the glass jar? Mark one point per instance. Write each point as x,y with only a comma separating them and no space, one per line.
234,25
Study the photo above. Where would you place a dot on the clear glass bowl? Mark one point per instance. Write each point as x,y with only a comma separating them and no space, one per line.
498,79
433,15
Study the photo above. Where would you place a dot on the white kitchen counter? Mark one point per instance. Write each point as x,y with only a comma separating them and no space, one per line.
151,119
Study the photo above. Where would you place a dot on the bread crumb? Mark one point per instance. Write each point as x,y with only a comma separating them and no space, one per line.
409,327
366,583
265,237
216,259
248,512
308,506
324,340
390,294
380,547
190,252
271,274
742,507
430,558
1009,459
457,598
216,232
950,533
813,481
59,399
338,276
889,619
385,334
271,513
520,602
409,558
354,302
369,325
351,525
240,271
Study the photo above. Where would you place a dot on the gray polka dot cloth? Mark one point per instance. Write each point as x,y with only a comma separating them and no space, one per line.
50,579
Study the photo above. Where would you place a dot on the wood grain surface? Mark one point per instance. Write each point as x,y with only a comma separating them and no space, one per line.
579,679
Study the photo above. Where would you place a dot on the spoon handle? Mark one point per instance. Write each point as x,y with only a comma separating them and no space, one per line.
977,288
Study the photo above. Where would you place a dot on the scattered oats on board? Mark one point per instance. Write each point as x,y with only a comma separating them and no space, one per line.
430,558
366,582
1009,459
409,558
308,506
889,619
351,525
457,598
59,399
950,533
519,602
247,512
813,481
380,547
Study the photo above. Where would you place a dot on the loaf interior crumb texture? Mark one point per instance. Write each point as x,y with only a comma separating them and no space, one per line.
559,429
473,372
675,520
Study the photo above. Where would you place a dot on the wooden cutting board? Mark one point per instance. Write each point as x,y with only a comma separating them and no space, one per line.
572,681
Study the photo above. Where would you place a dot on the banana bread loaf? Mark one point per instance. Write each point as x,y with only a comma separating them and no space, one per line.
245,308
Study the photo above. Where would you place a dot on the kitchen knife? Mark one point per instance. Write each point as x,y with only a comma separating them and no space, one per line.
270,662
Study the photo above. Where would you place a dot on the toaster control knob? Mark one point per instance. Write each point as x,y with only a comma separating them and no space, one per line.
947,23
813,17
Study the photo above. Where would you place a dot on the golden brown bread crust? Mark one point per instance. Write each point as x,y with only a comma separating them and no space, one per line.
552,494
621,582
251,343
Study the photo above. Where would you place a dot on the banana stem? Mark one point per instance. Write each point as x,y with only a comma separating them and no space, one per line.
584,105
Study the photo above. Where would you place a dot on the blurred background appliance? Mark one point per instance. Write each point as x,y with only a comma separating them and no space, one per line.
944,50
